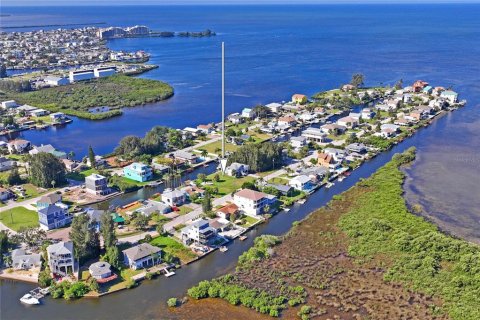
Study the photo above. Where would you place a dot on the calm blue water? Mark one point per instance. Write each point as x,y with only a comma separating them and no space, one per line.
272,52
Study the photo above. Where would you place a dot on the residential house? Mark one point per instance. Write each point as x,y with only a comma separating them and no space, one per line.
47,149
307,117
99,162
367,114
248,113
450,95
338,154
325,160
138,172
314,135
355,115
101,271
428,90
227,211
199,232
286,121
419,85
348,87
54,216
95,216
348,122
274,107
402,121
299,98
356,147
283,189
39,113
205,128
26,109
21,260
316,174
253,203
97,184
60,258
333,128
6,164
5,194
237,170
193,190
298,142
389,130
141,256
48,200
185,157
18,146
302,183
58,116
9,104
152,206
70,165
236,118
174,197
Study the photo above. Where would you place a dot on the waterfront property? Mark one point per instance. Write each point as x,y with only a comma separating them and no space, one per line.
21,260
237,170
302,183
141,256
54,216
101,271
299,98
18,146
48,200
97,184
138,172
174,197
253,203
199,232
60,258
314,135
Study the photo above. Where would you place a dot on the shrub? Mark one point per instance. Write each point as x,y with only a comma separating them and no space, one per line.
130,284
172,302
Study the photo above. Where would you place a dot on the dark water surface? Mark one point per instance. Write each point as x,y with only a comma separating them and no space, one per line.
274,52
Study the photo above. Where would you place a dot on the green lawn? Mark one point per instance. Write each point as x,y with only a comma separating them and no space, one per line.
174,247
19,217
249,221
227,184
279,180
184,210
80,176
211,147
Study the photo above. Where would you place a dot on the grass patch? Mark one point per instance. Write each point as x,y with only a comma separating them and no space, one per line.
184,210
227,184
19,217
248,221
80,176
217,145
174,247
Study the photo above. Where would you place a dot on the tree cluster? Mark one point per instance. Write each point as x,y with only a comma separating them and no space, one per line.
260,157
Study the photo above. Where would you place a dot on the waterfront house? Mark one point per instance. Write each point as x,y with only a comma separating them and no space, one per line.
96,184
194,190
286,121
348,87
174,197
26,109
138,172
428,90
355,115
57,116
325,160
274,107
56,81
70,165
236,118
5,194
101,72
151,206
141,256
316,174
314,135
389,130
301,183
48,200
237,170
54,216
419,85
101,271
60,258
248,113
450,95
348,122
205,128
227,211
283,189
80,75
298,142
99,162
18,146
21,260
367,114
6,164
333,128
185,157
253,203
356,147
47,149
9,104
402,121
338,154
199,232
299,98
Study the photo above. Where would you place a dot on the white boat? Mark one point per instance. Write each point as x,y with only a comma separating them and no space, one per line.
329,185
223,249
286,209
340,179
168,274
29,299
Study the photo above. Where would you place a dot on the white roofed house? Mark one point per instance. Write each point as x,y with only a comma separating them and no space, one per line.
58,116
253,203
356,147
26,109
348,122
6,164
337,154
101,271
314,135
302,183
298,142
141,256
237,170
185,156
9,104
56,81
174,197
450,95
367,113
97,184
61,259
248,113
389,130
333,128
21,260
274,107
18,146
199,232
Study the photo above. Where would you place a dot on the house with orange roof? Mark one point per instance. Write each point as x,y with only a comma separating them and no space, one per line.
299,98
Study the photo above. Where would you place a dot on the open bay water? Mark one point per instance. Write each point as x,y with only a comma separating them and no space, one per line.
273,52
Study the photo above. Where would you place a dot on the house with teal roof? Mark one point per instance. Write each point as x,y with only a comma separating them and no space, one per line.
138,172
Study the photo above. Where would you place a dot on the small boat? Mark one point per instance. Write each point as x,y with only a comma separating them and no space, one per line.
286,209
223,249
340,179
329,185
242,238
29,299
168,274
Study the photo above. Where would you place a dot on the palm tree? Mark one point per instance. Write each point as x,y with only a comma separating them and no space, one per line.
204,153
53,184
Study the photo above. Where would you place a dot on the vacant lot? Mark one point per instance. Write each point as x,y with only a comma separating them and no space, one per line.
19,217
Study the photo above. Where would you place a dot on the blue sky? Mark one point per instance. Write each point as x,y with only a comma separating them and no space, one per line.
209,2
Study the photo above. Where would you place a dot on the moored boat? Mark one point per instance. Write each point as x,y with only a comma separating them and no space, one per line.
29,299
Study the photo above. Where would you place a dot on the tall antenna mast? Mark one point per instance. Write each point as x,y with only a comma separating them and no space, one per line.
223,100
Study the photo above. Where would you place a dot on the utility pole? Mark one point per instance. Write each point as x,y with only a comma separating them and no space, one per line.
223,100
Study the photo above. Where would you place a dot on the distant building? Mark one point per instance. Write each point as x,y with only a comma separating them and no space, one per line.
348,122
137,30
111,32
104,72
450,95
56,81
314,134
47,149
60,258
97,184
5,194
57,116
138,172
6,164
248,113
81,75
298,142
9,104
143,255
39,113
299,98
